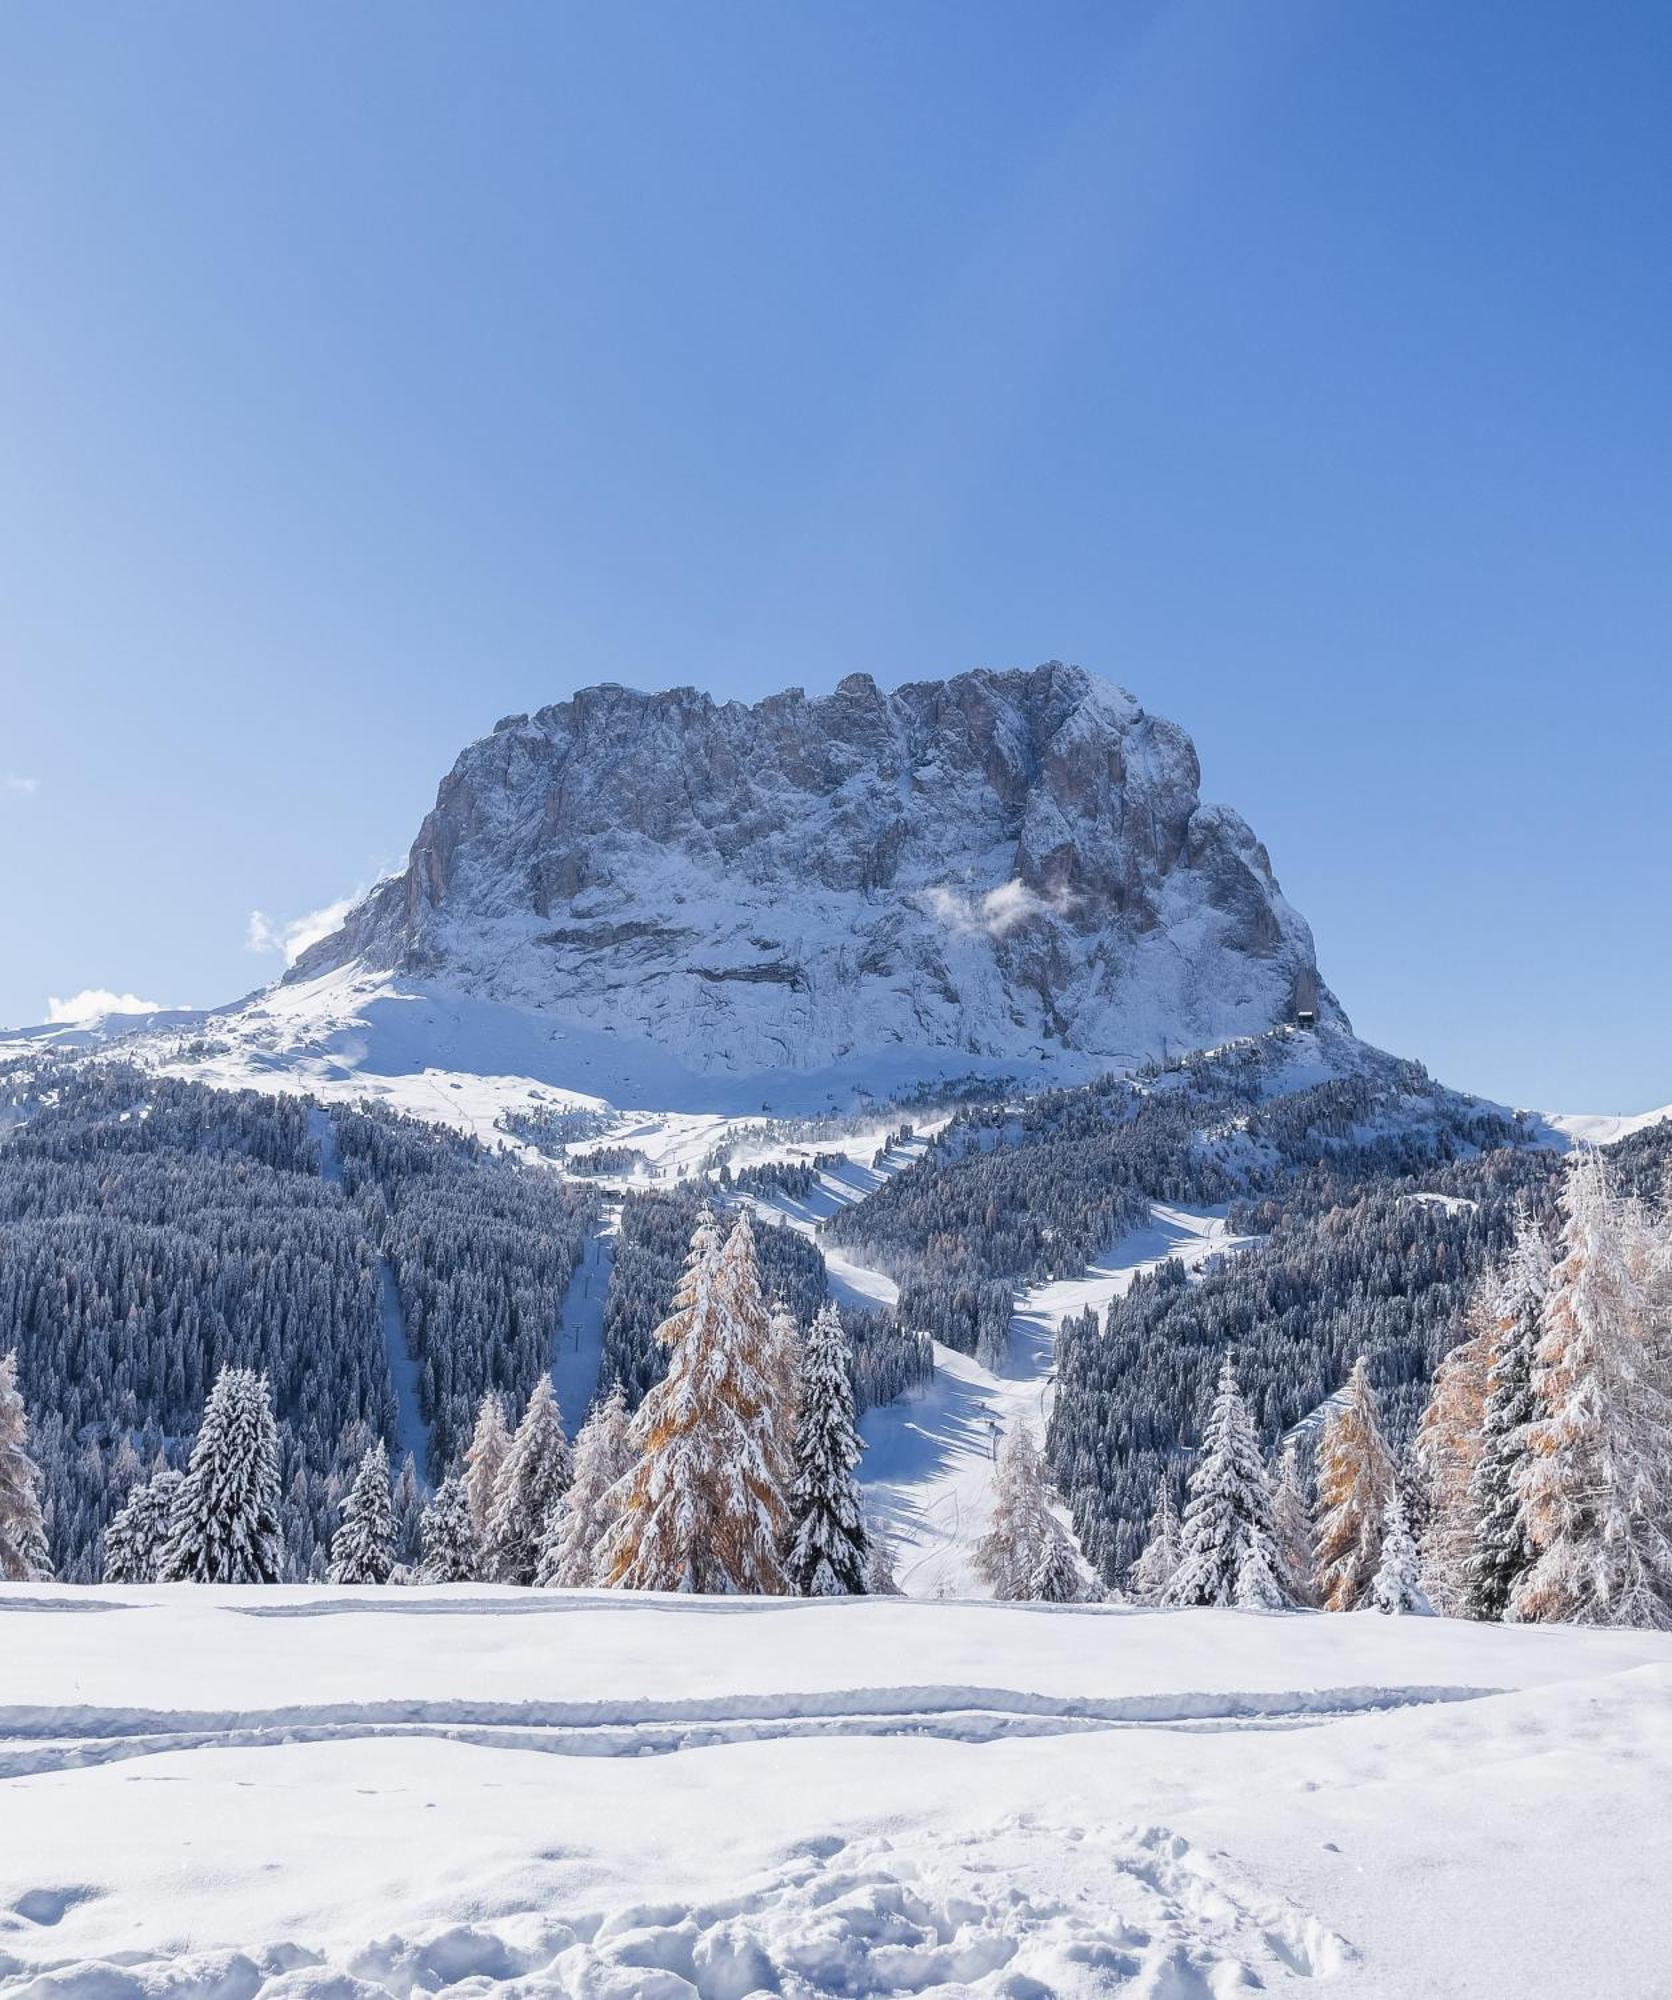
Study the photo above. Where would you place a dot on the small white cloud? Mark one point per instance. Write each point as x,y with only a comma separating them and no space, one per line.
92,1003
290,940
15,786
992,914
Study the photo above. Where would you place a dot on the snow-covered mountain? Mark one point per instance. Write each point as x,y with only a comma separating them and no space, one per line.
1013,867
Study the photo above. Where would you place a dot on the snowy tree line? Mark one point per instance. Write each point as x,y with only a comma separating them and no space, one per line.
1538,1485
1544,1455
1248,1535
482,1250
1340,1268
553,1129
736,1473
1016,1194
151,1233
155,1233
796,1178
602,1161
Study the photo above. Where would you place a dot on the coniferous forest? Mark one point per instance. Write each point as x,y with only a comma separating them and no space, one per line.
154,1233
335,1312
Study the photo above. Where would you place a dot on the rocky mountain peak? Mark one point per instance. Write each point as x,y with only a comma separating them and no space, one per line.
1016,865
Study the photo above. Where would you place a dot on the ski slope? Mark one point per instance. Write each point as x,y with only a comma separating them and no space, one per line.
1604,1128
929,1457
308,1794
929,1460
578,1347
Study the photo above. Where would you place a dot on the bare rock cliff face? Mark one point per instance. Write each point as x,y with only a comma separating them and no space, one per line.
1015,865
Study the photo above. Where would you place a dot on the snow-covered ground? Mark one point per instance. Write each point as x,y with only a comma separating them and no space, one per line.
212,1794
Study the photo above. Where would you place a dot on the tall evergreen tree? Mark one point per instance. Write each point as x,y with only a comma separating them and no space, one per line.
1502,1551
1595,1488
1396,1587
1026,1554
363,1548
704,1507
533,1478
1291,1530
1446,1453
483,1458
450,1552
138,1532
1225,1546
1059,1576
23,1550
578,1527
1158,1561
225,1523
827,1528
1355,1477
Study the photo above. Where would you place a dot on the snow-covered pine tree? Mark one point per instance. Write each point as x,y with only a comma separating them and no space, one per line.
447,1535
1502,1551
483,1458
23,1550
1225,1545
703,1508
1446,1453
1291,1529
827,1527
1355,1477
1058,1576
1156,1565
135,1538
225,1523
604,1455
533,1478
1396,1587
408,1506
363,1548
1259,1587
1006,1556
1026,1552
880,1580
1597,1488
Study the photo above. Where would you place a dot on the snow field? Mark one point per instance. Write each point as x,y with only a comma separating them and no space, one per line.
358,1794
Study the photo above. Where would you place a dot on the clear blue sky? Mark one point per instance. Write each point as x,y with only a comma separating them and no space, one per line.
368,372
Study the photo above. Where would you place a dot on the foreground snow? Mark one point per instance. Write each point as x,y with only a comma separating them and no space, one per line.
308,1792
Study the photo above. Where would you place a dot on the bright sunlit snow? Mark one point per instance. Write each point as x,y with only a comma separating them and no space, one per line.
303,1792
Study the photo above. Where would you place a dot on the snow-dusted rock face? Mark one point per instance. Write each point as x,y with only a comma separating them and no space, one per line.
1015,865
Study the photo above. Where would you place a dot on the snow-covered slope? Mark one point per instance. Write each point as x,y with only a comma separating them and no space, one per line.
1015,868
310,1794
1604,1128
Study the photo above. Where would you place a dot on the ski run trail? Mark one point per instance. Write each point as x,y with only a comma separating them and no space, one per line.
929,1458
302,1793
